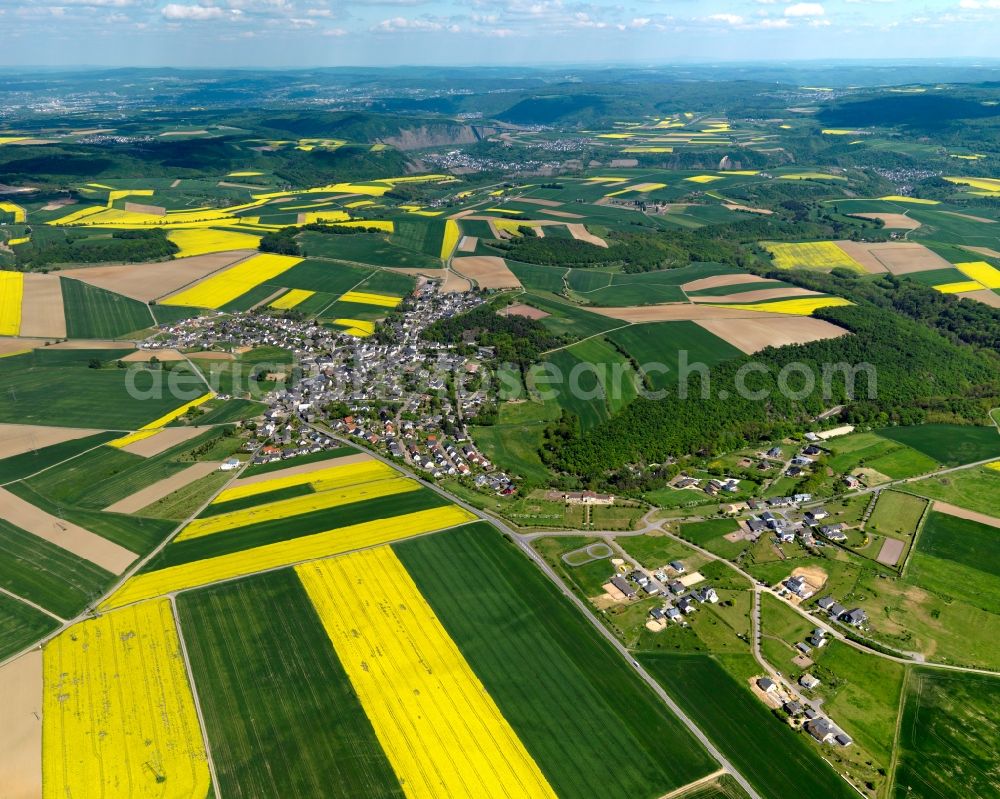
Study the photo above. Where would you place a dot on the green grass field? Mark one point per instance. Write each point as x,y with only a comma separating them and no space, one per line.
709,534
46,574
281,715
20,466
963,541
661,344
575,703
569,319
976,489
421,235
896,514
948,736
951,444
364,248
873,451
21,625
540,278
93,312
746,732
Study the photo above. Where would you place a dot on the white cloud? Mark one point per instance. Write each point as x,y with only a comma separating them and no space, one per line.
977,4
402,24
335,32
175,11
805,10
774,23
729,19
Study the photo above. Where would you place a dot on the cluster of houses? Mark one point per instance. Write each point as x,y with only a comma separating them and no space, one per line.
855,617
813,722
775,521
679,600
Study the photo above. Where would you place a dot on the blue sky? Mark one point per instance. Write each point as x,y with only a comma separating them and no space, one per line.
302,33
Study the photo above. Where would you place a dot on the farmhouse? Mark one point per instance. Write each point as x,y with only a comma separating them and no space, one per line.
586,498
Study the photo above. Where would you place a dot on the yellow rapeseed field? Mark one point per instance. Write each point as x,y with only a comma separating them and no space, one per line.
296,506
247,174
155,426
838,132
356,327
896,198
452,233
224,287
18,240
359,204
995,466
981,272
11,294
958,287
986,184
75,216
117,194
311,217
119,717
439,727
703,178
201,241
367,298
321,479
800,306
285,553
291,299
13,208
810,254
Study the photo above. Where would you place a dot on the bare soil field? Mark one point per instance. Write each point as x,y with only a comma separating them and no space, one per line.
750,335
455,283
747,208
533,201
678,311
176,183
42,311
21,727
722,280
15,344
142,208
16,439
145,282
468,244
894,221
981,250
581,233
896,257
161,489
759,294
55,205
67,535
562,214
624,163
143,356
892,548
488,271
985,296
303,468
970,217
162,441
462,214
92,344
520,309
964,513
813,575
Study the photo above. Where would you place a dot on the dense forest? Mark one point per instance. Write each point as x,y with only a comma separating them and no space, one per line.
122,246
920,375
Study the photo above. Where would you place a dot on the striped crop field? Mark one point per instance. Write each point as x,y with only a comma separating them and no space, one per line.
800,306
981,272
155,426
439,727
322,478
295,506
224,287
119,716
202,241
291,299
367,298
985,184
285,553
11,294
810,255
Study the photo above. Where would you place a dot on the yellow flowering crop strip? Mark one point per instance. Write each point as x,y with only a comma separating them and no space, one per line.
11,294
801,306
18,240
981,272
285,553
296,506
452,233
119,717
958,287
13,208
810,254
897,198
995,466
155,426
986,184
291,299
440,729
356,327
224,287
201,241
703,178
367,298
321,479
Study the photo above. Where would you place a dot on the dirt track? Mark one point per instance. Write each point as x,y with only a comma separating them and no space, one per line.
162,488
67,535
18,438
21,727
964,513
